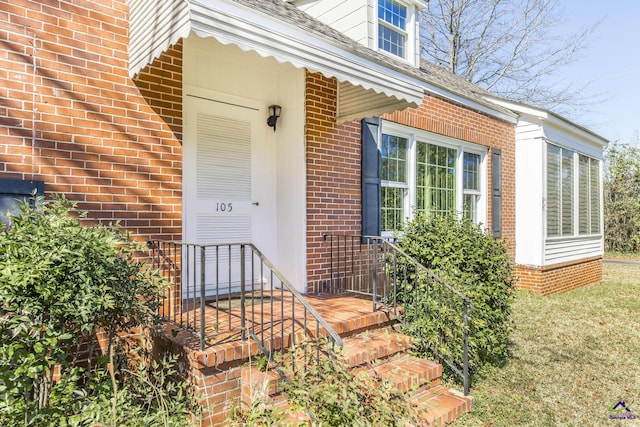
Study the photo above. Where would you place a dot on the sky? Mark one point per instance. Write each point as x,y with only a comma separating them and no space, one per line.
611,64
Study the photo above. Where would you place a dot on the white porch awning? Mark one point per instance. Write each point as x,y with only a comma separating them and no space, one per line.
368,87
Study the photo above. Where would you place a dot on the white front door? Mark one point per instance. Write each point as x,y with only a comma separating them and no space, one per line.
228,185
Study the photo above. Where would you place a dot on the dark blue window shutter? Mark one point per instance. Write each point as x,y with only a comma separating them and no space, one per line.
371,177
496,193
13,191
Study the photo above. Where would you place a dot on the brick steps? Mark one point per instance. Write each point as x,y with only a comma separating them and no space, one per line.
383,353
439,405
373,345
405,372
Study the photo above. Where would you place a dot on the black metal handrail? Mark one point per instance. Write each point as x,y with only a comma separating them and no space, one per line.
375,267
247,295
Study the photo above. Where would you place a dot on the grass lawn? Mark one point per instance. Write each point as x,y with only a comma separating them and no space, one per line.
575,355
622,256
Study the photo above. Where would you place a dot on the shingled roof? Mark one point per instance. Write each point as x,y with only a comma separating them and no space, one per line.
428,72
279,29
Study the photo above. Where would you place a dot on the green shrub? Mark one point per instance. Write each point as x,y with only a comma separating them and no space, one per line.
61,284
257,414
332,394
471,261
338,396
622,198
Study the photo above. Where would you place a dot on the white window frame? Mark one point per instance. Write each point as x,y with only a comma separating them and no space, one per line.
576,194
413,135
472,192
409,32
398,184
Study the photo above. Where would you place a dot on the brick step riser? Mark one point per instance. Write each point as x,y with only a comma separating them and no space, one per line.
371,346
442,406
383,352
269,385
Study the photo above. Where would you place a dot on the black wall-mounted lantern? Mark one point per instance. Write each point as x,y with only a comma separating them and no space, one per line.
274,113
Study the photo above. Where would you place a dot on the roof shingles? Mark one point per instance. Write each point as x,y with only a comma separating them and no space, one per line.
428,73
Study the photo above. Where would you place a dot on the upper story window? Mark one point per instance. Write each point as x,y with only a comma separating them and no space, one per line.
392,27
573,193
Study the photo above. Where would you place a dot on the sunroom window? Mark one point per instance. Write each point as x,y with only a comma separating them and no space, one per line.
589,195
573,199
392,27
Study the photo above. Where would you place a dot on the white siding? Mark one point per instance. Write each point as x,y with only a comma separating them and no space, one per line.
529,128
358,20
573,142
563,250
530,219
350,17
154,26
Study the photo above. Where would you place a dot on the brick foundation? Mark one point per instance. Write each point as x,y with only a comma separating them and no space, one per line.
220,391
560,277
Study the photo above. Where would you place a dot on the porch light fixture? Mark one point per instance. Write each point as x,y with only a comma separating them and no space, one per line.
274,113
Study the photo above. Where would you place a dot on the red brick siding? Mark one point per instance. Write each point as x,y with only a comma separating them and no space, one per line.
561,277
333,174
161,85
447,118
219,389
72,117
334,160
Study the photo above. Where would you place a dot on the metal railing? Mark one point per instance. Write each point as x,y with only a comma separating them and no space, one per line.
231,291
375,267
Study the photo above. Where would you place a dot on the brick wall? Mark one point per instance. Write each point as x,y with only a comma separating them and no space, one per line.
333,174
334,160
160,84
220,389
560,277
72,117
447,118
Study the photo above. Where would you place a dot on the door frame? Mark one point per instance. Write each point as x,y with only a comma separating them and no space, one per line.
263,172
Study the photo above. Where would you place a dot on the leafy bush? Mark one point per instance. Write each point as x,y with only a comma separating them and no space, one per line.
149,394
622,198
257,414
332,394
472,262
61,285
338,396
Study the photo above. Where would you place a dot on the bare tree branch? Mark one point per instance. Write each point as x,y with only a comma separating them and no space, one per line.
512,47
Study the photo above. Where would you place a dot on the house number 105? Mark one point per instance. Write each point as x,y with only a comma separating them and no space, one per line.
224,207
